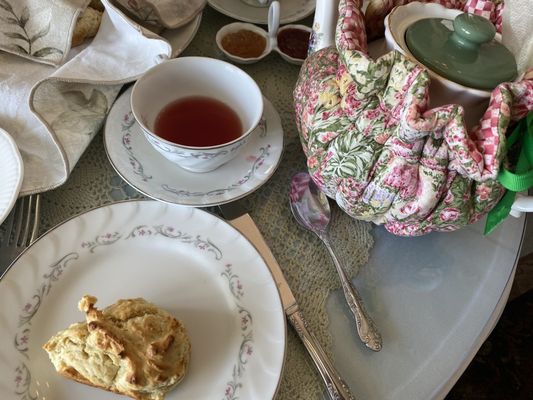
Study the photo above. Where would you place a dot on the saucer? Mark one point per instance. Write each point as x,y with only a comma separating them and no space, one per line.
11,174
139,164
290,10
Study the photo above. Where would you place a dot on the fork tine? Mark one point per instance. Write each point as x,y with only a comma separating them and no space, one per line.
36,219
19,213
27,206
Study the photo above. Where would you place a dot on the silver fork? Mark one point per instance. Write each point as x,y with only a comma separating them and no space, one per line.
20,229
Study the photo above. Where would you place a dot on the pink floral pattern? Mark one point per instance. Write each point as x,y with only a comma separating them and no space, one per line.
373,144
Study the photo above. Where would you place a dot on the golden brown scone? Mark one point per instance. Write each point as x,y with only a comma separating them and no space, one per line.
87,26
131,347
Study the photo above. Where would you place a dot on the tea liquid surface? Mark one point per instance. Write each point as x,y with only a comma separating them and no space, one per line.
198,121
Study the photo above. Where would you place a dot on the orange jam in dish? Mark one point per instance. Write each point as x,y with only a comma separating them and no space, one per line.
244,43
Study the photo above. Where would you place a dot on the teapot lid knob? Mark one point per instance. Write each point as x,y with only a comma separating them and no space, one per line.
473,29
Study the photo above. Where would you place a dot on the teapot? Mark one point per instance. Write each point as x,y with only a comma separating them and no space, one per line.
374,145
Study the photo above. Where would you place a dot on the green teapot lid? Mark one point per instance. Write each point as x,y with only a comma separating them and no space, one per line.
462,50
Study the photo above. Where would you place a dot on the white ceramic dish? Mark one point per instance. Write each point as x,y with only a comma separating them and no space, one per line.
181,37
139,164
11,173
271,37
271,42
291,10
185,260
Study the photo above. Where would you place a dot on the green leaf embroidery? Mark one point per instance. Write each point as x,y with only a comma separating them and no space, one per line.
43,32
85,115
24,17
18,48
15,35
6,6
21,22
9,20
46,51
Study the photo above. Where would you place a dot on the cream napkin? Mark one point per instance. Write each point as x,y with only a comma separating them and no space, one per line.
54,113
517,31
39,30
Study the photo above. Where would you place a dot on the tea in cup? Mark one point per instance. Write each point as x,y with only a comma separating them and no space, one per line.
198,112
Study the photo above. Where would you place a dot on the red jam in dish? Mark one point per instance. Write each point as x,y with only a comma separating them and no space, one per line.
294,42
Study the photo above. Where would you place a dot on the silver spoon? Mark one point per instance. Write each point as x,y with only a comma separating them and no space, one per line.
311,209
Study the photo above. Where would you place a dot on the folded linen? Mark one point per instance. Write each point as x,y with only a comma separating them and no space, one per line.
53,114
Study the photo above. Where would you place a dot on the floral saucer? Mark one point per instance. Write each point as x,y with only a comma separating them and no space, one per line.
139,164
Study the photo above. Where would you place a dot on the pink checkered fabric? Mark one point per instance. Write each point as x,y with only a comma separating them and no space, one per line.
352,35
375,16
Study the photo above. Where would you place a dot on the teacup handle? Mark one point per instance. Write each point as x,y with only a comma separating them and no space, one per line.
521,205
273,19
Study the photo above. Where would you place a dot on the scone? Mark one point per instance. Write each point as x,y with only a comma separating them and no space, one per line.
131,347
87,26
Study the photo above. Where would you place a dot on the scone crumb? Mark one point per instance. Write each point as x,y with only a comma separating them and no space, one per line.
87,303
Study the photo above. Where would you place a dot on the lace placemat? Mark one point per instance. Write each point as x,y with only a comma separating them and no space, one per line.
304,260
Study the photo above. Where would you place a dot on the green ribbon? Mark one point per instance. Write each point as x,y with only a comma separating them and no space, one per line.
518,181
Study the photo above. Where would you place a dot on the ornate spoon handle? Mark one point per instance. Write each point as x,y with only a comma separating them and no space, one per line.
366,328
337,388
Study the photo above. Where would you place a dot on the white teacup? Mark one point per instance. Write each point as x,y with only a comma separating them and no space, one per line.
196,76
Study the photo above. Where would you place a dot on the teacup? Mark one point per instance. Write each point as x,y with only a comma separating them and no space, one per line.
189,77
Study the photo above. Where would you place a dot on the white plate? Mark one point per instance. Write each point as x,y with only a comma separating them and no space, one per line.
185,260
11,173
139,164
180,38
290,10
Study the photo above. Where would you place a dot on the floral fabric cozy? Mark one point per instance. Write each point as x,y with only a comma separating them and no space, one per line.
374,146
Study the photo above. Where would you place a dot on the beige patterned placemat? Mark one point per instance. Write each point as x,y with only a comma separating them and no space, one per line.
303,258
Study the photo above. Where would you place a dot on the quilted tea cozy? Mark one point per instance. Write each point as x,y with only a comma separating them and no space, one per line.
374,146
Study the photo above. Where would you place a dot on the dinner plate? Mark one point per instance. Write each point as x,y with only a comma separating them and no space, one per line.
183,259
139,164
11,173
180,38
290,10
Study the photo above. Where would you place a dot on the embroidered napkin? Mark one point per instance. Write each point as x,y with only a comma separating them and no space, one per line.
54,113
40,30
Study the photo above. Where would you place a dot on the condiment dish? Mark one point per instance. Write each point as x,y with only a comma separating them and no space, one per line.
271,37
242,26
285,56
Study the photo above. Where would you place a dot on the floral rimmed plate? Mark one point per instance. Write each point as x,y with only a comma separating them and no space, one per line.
183,259
180,38
11,173
139,164
290,10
